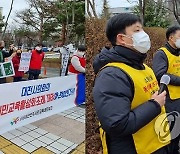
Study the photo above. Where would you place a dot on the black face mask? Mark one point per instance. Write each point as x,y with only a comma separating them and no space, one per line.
18,54
107,47
39,51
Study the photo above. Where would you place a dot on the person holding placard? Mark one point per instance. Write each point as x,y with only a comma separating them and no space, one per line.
16,62
3,55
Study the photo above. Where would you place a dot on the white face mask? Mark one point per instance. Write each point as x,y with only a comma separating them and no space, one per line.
177,43
81,54
141,41
38,48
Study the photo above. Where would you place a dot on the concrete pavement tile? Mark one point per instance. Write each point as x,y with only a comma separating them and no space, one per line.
52,136
71,116
68,111
16,132
62,114
76,115
39,122
65,142
80,127
59,146
26,138
24,129
67,151
54,129
8,136
53,150
40,131
79,113
28,147
75,109
42,150
31,127
82,117
18,141
80,120
34,134
82,111
38,143
83,133
73,146
75,138
45,140
64,122
52,117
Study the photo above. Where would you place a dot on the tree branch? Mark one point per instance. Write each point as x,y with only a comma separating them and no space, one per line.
7,19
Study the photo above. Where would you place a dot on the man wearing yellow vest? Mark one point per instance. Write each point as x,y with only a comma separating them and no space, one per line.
167,61
125,91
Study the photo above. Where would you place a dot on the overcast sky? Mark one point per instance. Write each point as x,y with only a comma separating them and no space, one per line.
18,5
21,4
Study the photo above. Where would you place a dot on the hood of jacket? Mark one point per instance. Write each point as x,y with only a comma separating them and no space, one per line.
119,54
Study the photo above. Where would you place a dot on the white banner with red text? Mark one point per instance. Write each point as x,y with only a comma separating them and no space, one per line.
25,102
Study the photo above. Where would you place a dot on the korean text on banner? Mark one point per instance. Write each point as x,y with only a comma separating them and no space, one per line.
33,100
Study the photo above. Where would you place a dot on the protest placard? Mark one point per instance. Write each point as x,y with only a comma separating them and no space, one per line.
25,61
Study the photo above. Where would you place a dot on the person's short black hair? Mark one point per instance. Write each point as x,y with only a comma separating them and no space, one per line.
171,30
81,48
118,23
39,44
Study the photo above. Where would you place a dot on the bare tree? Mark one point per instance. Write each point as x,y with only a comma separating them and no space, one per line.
91,4
88,9
35,16
105,9
6,23
176,10
172,7
141,7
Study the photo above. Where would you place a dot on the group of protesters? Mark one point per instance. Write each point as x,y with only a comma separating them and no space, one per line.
37,56
76,65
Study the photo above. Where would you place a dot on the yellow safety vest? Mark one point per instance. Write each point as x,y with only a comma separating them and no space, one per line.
174,68
145,84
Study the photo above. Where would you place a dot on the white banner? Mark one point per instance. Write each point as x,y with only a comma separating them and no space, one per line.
6,69
65,59
25,61
24,102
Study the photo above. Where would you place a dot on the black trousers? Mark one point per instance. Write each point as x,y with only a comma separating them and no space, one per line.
34,74
17,79
2,80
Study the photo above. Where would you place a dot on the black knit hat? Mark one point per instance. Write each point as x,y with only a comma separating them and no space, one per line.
81,48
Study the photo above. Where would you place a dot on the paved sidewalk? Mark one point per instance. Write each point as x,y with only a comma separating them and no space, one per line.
59,134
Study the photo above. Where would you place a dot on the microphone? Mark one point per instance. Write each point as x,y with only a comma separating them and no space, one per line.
165,79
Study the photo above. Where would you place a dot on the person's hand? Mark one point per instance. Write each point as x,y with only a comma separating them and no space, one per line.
159,98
